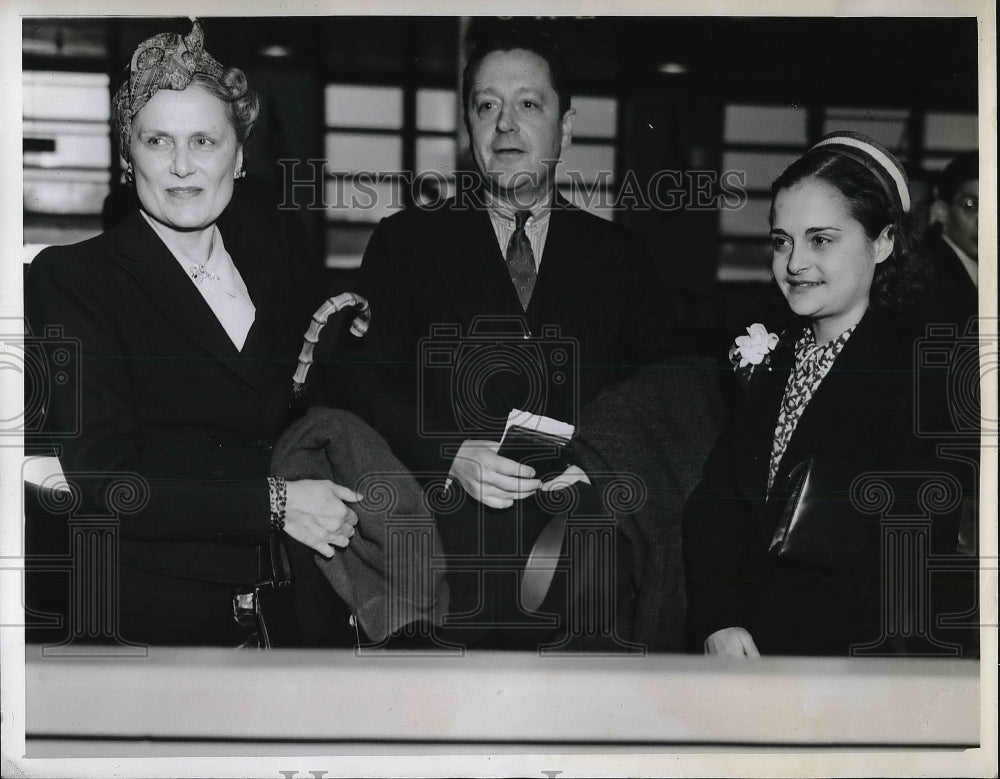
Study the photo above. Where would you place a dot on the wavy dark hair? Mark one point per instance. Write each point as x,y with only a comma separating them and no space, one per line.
899,280
508,37
965,167
232,89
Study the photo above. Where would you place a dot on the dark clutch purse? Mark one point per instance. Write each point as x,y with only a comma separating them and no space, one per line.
257,606
818,525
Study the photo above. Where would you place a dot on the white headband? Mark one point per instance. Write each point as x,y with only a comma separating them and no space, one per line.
879,157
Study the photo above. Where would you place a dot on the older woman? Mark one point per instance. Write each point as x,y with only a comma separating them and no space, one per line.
188,316
768,571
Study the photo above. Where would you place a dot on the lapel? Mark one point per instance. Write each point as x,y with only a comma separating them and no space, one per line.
475,274
475,269
756,419
856,381
259,272
559,273
954,271
141,253
472,266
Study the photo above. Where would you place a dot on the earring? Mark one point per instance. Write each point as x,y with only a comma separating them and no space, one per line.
129,175
239,173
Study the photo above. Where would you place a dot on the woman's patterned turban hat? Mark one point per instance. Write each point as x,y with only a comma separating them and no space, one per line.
165,61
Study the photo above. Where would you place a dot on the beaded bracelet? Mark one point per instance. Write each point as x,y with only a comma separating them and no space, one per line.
277,489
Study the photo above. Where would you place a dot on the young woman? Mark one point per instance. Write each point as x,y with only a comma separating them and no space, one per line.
834,395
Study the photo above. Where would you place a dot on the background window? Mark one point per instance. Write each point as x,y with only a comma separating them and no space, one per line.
67,157
437,110
947,134
759,142
364,151
887,127
436,154
348,105
764,124
588,173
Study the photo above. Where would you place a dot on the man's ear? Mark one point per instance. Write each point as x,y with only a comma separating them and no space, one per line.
939,212
567,127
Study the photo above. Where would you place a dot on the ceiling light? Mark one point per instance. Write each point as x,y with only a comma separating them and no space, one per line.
673,68
275,50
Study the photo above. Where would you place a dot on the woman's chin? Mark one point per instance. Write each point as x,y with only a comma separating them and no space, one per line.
185,221
798,305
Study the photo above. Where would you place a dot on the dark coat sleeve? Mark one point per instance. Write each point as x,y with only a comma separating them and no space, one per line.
653,430
377,376
722,563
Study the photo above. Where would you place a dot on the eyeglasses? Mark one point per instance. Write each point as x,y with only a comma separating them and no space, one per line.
968,204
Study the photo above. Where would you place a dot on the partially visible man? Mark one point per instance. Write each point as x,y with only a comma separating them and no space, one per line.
951,305
506,297
952,244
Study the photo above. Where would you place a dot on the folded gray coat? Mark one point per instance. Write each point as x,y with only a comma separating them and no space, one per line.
658,426
392,572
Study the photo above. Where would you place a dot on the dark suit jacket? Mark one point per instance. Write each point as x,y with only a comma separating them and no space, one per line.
432,370
861,419
949,309
436,277
165,394
952,297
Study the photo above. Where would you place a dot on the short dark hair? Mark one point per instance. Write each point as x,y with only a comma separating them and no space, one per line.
965,167
899,280
508,37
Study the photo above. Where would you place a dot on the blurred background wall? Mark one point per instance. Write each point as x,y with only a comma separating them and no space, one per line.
682,124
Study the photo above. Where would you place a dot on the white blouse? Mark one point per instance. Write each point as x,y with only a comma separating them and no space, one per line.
218,281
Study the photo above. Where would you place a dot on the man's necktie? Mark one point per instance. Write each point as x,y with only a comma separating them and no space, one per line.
521,260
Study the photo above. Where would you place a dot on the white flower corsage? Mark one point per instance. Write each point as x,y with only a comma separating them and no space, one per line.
750,350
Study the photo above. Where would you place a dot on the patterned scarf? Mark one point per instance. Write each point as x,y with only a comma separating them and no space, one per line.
165,61
812,363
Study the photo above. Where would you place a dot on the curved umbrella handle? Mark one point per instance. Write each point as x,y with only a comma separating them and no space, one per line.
359,327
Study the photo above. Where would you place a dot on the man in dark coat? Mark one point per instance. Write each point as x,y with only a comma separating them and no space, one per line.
951,306
952,245
507,297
